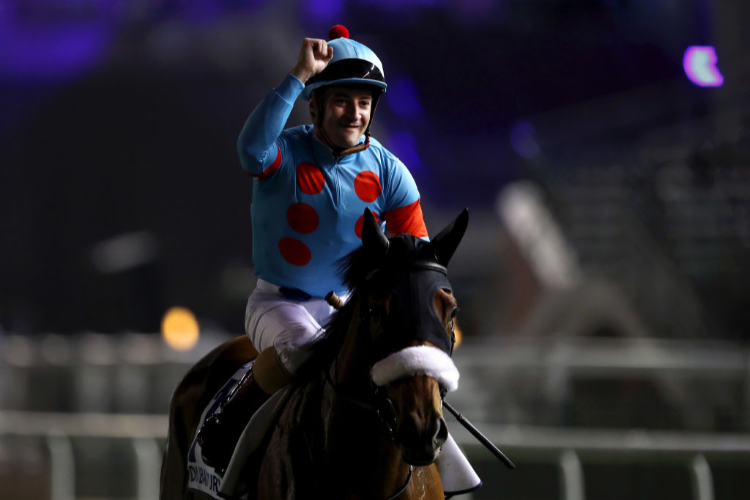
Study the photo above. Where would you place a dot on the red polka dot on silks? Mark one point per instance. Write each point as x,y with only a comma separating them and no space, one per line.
361,222
294,251
302,218
367,186
310,178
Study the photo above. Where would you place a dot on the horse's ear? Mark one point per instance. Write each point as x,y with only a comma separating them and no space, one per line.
446,242
373,239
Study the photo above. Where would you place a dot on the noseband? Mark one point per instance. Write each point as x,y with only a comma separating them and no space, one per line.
423,276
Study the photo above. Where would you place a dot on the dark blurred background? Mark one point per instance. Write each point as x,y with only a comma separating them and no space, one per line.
120,119
602,150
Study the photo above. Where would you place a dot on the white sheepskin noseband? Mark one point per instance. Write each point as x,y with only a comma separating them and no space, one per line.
420,360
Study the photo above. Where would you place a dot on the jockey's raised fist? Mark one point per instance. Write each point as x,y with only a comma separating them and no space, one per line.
313,58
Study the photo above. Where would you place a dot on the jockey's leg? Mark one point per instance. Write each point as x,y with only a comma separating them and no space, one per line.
270,372
289,327
219,434
282,330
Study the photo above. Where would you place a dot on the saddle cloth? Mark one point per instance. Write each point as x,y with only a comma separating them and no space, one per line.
456,472
202,477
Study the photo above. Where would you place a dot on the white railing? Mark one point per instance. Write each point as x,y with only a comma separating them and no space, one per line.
59,429
565,447
688,374
488,367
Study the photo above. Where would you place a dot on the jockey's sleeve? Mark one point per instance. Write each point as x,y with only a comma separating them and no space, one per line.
404,210
407,219
256,144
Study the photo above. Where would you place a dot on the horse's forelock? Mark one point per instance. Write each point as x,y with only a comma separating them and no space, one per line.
354,269
404,251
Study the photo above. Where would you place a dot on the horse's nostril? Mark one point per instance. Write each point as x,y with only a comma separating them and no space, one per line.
442,432
420,439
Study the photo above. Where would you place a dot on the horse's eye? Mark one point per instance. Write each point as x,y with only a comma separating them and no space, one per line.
454,312
377,311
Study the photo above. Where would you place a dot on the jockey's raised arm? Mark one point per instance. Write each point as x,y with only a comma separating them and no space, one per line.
258,137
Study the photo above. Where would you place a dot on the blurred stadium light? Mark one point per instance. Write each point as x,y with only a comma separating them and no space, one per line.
125,252
179,328
700,66
522,140
522,210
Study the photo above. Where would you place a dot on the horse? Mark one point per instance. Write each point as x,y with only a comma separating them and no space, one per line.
363,419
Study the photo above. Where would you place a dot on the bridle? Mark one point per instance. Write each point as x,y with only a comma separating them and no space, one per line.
378,400
382,404
383,407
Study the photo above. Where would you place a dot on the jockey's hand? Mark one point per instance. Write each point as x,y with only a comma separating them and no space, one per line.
313,58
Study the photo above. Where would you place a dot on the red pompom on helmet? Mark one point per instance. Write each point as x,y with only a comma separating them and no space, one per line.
338,31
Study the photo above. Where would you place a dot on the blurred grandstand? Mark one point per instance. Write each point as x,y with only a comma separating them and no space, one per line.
602,282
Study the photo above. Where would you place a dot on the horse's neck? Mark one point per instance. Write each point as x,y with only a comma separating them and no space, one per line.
352,365
359,447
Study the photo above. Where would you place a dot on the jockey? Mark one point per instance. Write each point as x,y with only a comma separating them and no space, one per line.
312,184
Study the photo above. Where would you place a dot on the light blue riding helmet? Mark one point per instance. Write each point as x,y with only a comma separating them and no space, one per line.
352,63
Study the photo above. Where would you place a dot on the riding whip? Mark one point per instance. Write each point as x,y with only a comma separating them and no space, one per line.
482,439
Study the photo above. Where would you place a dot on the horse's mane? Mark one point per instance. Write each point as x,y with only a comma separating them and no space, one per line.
352,269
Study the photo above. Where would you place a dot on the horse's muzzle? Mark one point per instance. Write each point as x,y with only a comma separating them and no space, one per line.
420,439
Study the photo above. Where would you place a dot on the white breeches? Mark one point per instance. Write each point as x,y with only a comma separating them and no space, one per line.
271,319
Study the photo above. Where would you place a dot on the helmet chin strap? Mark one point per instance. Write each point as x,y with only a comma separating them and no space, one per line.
339,152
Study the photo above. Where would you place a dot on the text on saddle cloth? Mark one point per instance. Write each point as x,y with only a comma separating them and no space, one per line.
202,477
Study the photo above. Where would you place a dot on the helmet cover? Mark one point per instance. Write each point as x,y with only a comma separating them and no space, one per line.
352,64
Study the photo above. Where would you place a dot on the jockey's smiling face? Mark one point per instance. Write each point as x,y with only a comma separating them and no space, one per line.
347,113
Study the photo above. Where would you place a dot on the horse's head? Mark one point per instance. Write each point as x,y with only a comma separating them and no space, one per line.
408,312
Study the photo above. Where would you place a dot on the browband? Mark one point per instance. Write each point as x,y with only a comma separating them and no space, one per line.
415,266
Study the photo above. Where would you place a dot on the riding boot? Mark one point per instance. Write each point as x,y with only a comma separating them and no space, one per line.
220,432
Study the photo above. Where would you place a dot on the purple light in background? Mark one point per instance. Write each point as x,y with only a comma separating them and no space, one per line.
402,143
700,66
325,10
523,142
474,8
402,97
202,11
399,4
51,51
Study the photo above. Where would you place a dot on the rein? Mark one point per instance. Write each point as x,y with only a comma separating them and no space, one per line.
372,408
377,394
406,485
381,402
378,401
